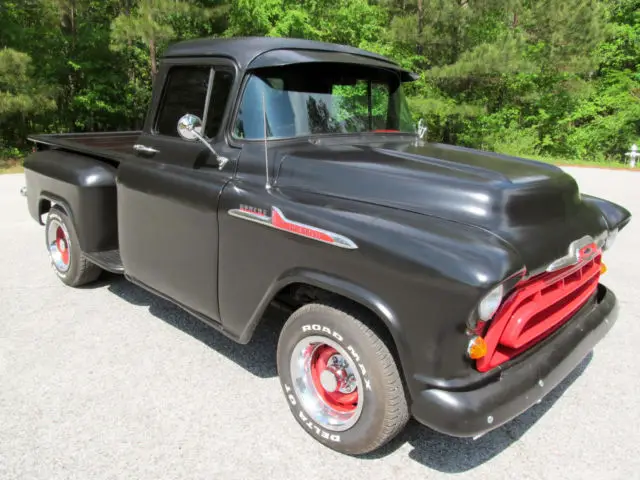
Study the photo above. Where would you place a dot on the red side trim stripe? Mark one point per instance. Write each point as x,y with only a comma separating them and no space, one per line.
279,221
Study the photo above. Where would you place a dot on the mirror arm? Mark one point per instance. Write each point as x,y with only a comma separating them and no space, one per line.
222,161
189,123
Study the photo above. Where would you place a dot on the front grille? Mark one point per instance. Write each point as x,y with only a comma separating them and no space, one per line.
536,308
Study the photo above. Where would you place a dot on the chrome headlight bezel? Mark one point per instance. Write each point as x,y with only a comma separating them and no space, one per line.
485,310
601,239
606,239
490,304
610,240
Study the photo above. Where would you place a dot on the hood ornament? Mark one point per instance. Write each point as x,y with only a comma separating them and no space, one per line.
580,250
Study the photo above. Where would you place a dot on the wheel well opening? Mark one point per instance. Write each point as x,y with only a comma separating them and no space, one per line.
296,295
44,206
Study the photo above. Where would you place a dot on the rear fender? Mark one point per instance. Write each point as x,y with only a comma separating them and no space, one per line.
86,189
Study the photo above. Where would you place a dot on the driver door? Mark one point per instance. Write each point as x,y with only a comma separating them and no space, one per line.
168,193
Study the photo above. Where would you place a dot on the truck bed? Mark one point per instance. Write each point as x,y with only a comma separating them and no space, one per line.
115,146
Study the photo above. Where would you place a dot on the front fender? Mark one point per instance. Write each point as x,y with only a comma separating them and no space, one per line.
331,283
347,289
422,276
616,216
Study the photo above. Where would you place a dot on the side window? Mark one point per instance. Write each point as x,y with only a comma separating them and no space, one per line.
380,99
185,92
222,82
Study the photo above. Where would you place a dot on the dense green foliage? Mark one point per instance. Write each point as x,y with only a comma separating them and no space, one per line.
541,78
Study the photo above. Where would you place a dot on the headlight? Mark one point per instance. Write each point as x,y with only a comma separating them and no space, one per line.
613,234
490,303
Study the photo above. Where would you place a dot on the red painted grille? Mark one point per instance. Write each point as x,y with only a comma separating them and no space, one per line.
536,308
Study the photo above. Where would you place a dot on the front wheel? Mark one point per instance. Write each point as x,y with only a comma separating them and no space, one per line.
340,380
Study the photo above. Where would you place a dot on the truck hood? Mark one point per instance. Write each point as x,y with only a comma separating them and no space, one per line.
534,206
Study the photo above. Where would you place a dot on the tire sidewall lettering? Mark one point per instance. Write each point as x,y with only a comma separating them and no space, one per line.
292,399
382,411
316,328
306,420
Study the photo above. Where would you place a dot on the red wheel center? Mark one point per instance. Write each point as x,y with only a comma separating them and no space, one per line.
62,246
324,375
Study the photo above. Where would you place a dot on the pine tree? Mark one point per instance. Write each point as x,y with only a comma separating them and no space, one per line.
482,55
151,23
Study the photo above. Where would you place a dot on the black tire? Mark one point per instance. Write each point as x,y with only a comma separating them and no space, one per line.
384,411
77,270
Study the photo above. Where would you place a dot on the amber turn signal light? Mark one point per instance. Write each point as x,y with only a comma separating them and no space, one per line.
477,348
603,269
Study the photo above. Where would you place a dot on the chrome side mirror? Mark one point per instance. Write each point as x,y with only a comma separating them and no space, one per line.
190,128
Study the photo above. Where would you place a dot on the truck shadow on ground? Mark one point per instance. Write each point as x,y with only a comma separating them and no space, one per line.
431,449
456,455
258,357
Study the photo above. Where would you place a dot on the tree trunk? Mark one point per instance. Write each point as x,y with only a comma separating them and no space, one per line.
68,26
152,55
420,27
132,72
74,29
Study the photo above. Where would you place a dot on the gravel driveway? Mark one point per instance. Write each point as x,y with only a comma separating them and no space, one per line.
111,382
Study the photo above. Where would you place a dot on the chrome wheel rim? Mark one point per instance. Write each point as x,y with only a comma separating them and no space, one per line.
327,382
59,245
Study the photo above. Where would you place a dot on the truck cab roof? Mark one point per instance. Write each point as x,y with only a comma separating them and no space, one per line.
259,52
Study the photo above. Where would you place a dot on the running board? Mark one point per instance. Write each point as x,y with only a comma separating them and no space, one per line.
109,260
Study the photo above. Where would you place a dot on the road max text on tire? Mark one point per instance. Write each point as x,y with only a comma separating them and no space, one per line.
422,280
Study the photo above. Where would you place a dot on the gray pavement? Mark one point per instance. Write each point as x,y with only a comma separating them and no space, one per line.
111,382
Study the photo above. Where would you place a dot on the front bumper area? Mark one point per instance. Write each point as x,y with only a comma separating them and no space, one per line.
523,383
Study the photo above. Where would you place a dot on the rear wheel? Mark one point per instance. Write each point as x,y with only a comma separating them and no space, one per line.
68,261
340,379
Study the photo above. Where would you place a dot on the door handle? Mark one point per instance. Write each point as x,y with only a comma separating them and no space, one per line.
144,149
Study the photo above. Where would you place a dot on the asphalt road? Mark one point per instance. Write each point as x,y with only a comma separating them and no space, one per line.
111,382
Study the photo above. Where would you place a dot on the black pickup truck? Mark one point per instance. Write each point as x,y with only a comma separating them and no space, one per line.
453,285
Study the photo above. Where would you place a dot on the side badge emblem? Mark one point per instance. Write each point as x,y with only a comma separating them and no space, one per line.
278,221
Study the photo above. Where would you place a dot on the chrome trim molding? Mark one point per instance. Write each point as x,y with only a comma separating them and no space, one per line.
582,249
279,221
144,148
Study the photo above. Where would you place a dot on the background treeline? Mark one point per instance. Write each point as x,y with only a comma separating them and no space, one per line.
540,78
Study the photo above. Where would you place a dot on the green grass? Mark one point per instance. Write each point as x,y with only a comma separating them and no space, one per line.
10,166
583,163
576,163
15,165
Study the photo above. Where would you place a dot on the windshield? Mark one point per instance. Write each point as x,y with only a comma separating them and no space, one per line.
321,98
